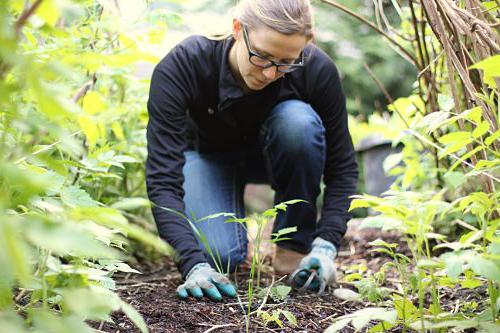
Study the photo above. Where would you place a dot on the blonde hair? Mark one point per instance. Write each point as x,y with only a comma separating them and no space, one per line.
284,16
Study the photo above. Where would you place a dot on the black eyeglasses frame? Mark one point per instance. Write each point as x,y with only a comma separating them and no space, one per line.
282,68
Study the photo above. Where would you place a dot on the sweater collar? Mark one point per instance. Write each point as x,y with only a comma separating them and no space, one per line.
228,87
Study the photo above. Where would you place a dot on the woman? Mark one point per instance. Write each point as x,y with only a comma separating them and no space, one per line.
264,105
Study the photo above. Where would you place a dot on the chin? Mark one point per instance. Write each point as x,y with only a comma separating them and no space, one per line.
253,86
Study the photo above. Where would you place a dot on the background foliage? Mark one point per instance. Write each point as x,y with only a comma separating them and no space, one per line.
72,147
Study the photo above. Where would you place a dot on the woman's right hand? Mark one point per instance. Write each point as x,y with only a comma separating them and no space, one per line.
203,280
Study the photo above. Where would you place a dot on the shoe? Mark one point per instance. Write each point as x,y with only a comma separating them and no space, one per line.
286,261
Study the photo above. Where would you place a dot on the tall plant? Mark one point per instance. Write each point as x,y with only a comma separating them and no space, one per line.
71,152
448,168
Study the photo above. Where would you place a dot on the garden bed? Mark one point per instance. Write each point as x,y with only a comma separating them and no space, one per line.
153,295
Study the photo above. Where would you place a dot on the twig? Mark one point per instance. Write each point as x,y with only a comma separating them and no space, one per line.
20,295
465,225
268,292
21,21
406,53
148,280
430,64
85,88
41,150
421,137
213,328
386,94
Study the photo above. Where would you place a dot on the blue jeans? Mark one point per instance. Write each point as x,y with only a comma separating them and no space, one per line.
289,155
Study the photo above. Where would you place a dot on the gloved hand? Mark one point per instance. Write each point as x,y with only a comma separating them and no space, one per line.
203,279
316,270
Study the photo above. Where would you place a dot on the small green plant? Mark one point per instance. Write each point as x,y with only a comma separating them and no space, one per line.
361,318
275,317
261,220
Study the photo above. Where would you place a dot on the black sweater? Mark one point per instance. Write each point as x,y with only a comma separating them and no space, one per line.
195,103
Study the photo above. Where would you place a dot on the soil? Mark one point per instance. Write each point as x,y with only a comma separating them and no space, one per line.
153,295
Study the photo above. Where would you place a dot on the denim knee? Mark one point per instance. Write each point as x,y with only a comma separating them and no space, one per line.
296,128
227,259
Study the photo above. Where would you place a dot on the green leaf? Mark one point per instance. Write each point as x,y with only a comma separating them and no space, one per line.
358,203
281,292
490,327
338,325
112,218
481,129
490,66
134,316
405,309
445,102
93,103
347,294
74,196
474,114
103,215
49,12
11,322
362,317
94,303
471,283
454,262
380,242
285,231
381,327
495,136
464,157
64,239
272,212
454,147
90,129
454,179
461,324
117,265
45,321
290,317
392,161
291,202
15,259
455,137
216,215
427,263
131,203
432,121
484,267
381,222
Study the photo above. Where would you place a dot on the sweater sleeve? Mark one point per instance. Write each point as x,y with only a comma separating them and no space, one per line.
171,86
341,169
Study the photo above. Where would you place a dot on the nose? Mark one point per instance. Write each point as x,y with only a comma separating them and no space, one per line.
269,73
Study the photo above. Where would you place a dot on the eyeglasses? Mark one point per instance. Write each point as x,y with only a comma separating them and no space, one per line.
263,62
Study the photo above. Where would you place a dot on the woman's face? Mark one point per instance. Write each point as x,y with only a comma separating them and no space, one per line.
266,42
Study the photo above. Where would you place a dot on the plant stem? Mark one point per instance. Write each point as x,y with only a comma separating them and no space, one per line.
42,269
493,293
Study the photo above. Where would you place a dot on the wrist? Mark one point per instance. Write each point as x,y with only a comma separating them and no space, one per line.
197,267
324,247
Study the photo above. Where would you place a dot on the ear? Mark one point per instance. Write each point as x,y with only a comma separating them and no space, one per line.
236,29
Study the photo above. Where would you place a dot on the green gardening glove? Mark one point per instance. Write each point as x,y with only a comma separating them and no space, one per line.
202,279
316,270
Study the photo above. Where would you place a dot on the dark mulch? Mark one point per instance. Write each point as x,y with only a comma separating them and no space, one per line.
153,295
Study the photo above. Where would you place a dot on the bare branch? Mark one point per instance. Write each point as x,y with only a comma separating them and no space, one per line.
21,21
405,53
